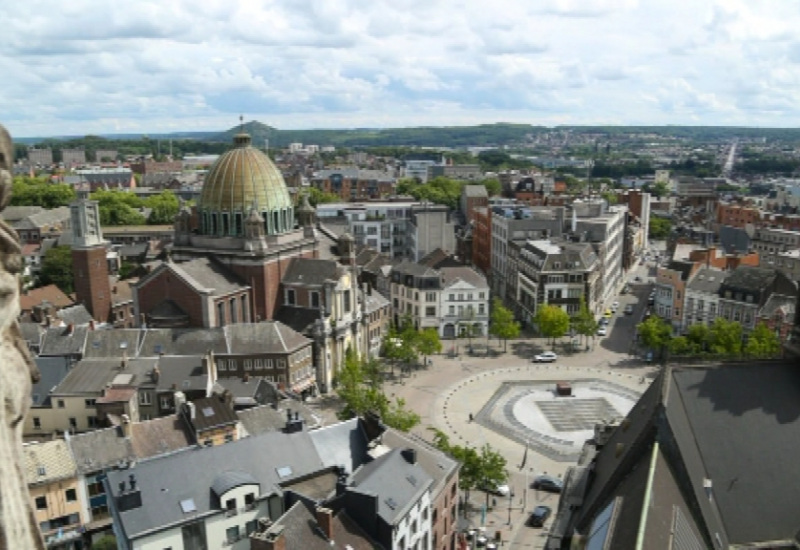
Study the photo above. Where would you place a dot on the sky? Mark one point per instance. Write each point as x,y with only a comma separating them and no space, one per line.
101,67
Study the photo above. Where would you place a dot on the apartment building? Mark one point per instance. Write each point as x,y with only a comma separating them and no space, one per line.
430,227
383,225
702,297
670,291
604,227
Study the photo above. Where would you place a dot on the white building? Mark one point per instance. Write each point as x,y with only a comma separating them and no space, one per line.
605,228
380,225
702,297
418,169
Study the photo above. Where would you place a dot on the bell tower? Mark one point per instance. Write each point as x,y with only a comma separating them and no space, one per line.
89,265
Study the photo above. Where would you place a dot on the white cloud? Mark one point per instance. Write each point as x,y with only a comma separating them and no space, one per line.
85,66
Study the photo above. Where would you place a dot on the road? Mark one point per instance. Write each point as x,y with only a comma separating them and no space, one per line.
730,159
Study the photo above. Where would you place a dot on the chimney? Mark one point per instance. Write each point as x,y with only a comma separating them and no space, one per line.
192,411
122,486
70,328
132,482
91,324
124,363
325,521
48,320
142,320
156,374
114,289
126,425
410,455
276,539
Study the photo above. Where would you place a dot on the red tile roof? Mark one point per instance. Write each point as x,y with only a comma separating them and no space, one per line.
50,293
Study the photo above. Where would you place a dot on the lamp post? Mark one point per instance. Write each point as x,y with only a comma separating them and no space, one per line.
510,497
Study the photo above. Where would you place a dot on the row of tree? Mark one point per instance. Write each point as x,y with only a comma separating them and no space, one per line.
442,190
723,337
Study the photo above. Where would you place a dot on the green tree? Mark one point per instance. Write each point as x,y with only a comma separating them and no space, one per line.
359,387
502,324
655,333
57,269
118,207
610,197
659,189
493,469
493,186
659,228
681,345
106,542
699,338
39,191
583,321
317,196
553,322
428,342
726,337
762,342
164,207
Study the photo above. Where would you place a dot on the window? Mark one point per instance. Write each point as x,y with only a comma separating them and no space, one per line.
92,422
73,422
37,423
144,398
245,309
234,313
232,534
430,311
221,364
250,527
347,301
221,314
290,297
451,310
60,403
452,297
41,503
71,495
90,403
315,299
248,364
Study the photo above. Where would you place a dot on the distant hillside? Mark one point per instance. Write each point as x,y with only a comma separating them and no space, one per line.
445,136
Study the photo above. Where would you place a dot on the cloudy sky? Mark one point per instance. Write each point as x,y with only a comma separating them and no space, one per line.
91,66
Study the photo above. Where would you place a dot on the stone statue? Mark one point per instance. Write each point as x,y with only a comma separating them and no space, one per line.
18,527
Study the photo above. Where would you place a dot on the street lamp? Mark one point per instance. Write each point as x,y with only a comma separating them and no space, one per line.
510,497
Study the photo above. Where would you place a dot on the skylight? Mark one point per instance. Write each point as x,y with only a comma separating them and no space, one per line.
284,471
123,344
188,506
208,411
391,503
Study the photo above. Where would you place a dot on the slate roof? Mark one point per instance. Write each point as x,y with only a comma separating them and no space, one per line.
436,464
342,444
64,340
475,191
203,274
266,418
734,239
212,412
299,319
91,376
48,462
44,218
375,301
407,267
744,421
166,481
301,531
77,315
467,274
684,267
32,333
185,373
182,341
100,449
12,214
707,280
779,302
159,436
750,278
266,337
438,259
312,272
113,343
398,484
49,293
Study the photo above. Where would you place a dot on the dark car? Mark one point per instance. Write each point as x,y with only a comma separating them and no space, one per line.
548,483
539,516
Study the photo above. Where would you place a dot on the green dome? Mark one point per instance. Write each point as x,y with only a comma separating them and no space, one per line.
241,180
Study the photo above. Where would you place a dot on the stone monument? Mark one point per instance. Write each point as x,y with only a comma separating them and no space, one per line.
18,527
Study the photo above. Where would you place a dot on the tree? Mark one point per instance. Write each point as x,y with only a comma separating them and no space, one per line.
763,342
118,207
680,345
317,196
503,325
659,228
40,192
57,269
655,333
584,322
698,337
726,337
164,207
359,387
428,342
553,322
106,542
659,189
493,186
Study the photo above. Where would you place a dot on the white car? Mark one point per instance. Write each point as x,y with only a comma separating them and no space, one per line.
545,357
602,331
615,307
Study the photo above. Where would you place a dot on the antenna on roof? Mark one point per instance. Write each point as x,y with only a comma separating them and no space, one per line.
241,124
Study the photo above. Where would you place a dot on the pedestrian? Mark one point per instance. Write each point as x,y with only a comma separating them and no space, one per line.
470,417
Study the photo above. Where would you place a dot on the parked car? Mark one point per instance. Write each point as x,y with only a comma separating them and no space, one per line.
539,516
545,357
603,321
501,490
548,483
615,306
608,313
629,309
602,331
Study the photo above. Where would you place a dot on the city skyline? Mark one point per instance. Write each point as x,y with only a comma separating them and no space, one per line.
80,68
